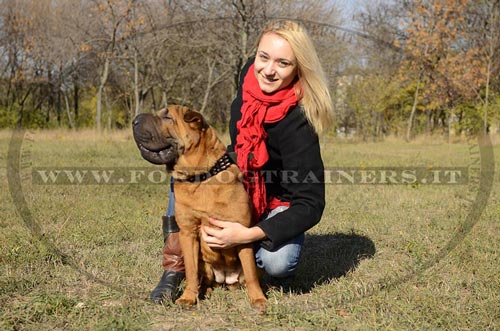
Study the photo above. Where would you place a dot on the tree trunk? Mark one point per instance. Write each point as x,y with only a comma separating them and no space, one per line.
20,115
136,85
486,98
450,118
428,123
51,99
104,78
413,109
21,108
211,67
164,99
68,111
75,101
108,111
58,106
491,55
153,99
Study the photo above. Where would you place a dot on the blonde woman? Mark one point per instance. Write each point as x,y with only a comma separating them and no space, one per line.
282,106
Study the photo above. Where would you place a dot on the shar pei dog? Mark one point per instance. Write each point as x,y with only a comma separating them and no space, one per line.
207,183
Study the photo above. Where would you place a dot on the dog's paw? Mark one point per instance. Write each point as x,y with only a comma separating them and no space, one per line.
260,305
186,300
186,303
206,292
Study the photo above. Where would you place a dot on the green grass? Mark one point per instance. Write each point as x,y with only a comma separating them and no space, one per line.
370,263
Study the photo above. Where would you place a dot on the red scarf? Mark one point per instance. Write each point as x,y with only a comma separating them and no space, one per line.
259,108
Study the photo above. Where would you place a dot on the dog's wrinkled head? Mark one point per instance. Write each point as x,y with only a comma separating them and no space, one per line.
163,137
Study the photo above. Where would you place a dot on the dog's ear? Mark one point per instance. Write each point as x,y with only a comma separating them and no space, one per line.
195,119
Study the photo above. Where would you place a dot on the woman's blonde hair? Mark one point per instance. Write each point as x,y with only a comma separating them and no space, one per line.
316,101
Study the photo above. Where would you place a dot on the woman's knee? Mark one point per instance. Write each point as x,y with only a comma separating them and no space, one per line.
281,263
279,268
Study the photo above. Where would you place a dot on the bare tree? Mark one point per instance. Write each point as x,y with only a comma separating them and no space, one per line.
484,22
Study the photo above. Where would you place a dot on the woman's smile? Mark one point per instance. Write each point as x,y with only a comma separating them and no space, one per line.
275,63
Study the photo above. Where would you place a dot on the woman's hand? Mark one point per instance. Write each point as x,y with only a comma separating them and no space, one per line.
229,234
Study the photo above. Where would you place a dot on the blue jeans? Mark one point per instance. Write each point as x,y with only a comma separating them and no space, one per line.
282,262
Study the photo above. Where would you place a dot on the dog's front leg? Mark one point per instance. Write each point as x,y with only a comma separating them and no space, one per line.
247,258
190,249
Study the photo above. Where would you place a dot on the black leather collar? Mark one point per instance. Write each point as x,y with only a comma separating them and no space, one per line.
222,164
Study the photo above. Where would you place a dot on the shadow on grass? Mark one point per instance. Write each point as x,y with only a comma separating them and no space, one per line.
326,257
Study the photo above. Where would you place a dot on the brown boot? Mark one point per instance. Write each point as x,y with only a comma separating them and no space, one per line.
173,264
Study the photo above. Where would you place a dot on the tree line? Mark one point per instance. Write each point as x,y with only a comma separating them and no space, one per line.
395,68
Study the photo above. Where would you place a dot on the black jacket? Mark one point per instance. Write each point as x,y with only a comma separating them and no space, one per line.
295,170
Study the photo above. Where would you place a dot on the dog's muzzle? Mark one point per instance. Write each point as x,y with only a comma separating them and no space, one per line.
154,147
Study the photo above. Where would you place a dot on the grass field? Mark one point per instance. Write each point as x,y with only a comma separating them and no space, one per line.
411,256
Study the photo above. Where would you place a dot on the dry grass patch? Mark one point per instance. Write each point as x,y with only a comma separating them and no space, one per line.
364,267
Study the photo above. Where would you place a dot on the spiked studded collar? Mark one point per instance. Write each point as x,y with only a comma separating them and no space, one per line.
220,165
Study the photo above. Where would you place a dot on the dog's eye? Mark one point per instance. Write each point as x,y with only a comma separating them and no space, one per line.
166,117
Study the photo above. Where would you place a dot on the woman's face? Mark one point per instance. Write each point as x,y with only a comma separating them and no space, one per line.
275,64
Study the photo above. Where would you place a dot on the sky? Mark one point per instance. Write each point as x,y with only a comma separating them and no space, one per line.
349,8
